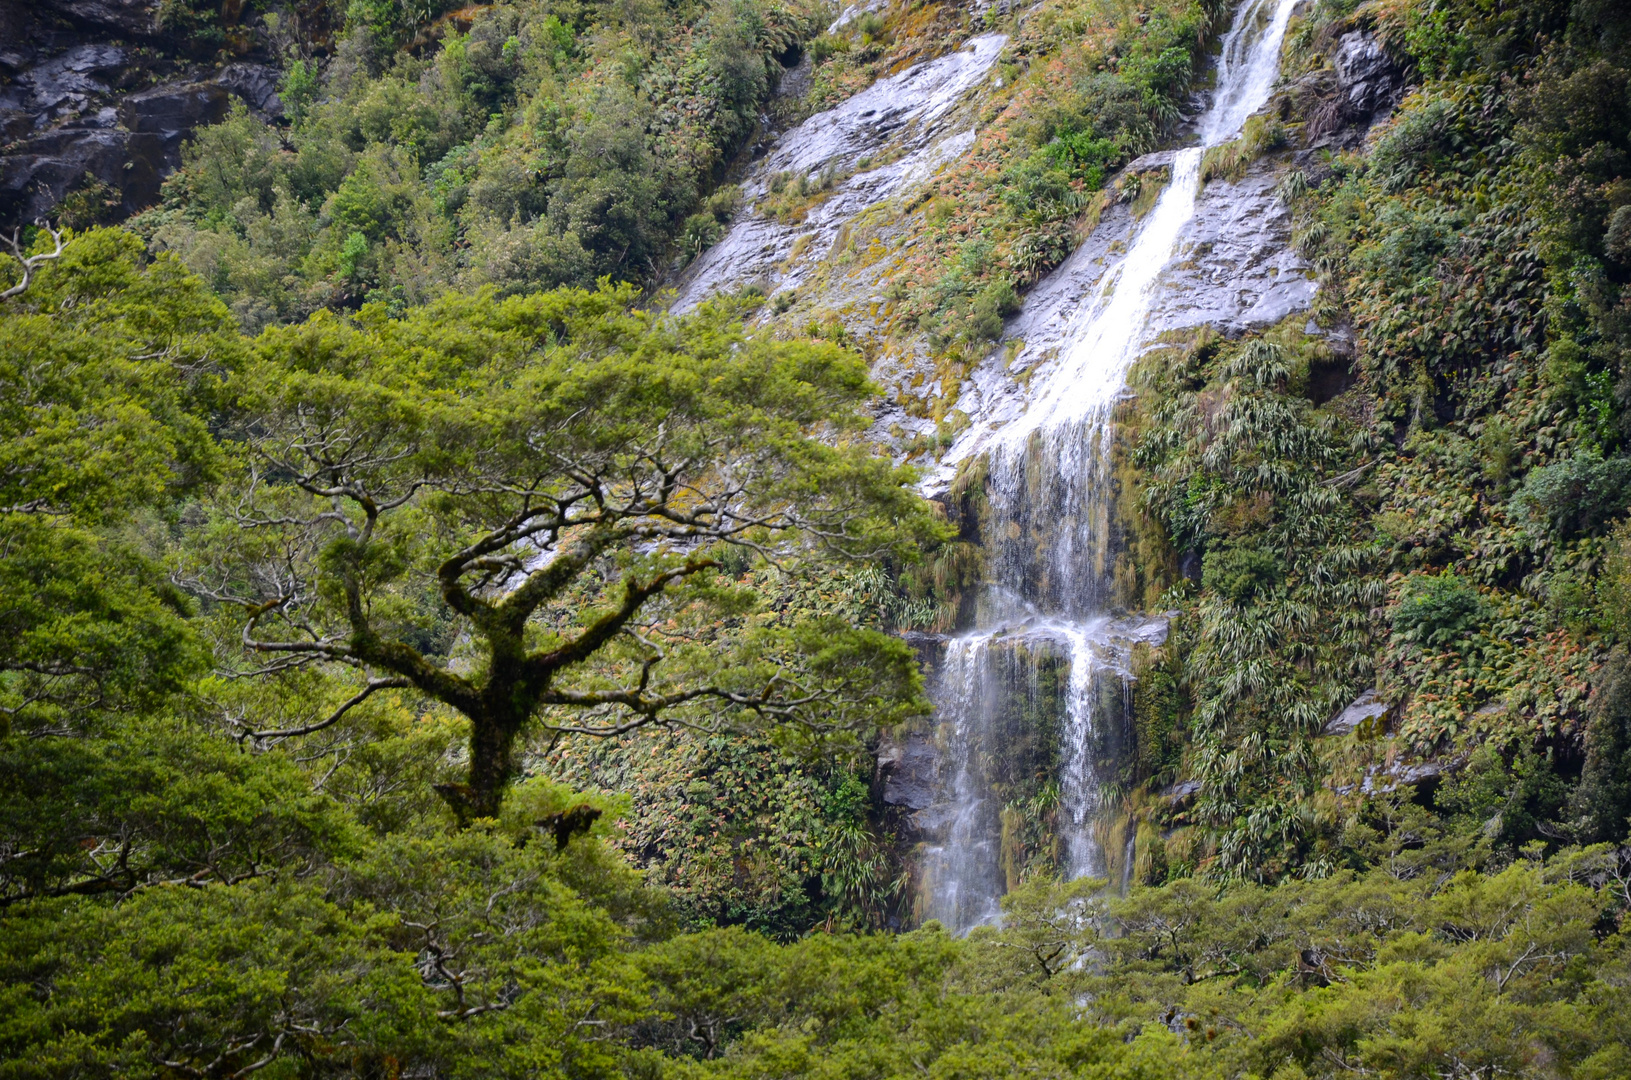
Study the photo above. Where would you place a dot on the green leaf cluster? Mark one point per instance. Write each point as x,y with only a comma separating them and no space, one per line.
524,145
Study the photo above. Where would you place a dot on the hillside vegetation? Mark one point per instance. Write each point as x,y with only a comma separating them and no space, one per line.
1449,527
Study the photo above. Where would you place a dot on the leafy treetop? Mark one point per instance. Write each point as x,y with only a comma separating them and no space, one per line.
516,506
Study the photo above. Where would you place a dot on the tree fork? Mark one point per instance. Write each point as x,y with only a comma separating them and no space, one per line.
492,766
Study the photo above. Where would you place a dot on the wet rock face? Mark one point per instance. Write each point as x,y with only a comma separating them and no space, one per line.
63,88
135,17
1161,159
908,770
1361,86
129,146
1236,270
81,96
1367,78
169,109
1233,269
912,114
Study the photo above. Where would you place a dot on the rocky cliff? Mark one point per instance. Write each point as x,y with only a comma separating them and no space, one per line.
96,96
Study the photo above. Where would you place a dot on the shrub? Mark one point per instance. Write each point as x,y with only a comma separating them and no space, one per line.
1083,152
1617,242
1601,805
1579,495
701,231
1437,609
1241,573
987,310
1510,804
299,89
869,27
825,47
1414,144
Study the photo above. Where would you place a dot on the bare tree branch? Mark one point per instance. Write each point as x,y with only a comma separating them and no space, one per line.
374,685
30,263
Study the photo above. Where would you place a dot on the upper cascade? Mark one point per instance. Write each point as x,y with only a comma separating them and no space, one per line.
1248,68
1101,339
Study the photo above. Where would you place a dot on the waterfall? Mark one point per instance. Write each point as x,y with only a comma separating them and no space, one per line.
911,120
1048,537
964,871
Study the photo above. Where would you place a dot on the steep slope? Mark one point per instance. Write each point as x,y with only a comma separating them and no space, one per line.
1435,510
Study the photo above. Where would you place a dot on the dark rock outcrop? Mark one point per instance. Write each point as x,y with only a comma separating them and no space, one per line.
88,94
134,17
257,85
1367,78
1360,86
130,148
907,769
62,88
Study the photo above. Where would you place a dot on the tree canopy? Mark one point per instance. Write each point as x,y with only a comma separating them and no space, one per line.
517,508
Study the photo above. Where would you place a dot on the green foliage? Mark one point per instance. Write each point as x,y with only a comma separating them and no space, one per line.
1577,496
1240,573
463,953
151,803
194,23
1159,716
1420,975
248,869
1235,464
1511,805
1601,804
299,90
1423,974
1471,245
1436,610
743,832
547,146
182,979
107,365
469,436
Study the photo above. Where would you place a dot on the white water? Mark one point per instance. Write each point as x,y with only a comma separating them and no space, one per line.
994,683
1105,337
1049,538
913,117
963,871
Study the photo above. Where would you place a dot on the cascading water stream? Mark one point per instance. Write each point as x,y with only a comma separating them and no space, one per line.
1049,531
911,119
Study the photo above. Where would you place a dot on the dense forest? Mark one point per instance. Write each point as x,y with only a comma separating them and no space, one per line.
425,653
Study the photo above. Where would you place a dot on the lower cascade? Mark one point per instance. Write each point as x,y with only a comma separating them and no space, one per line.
1046,648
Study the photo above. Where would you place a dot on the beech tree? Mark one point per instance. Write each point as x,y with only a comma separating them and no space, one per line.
519,510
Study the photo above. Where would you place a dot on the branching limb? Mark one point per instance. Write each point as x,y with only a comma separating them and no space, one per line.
363,695
30,263
603,629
